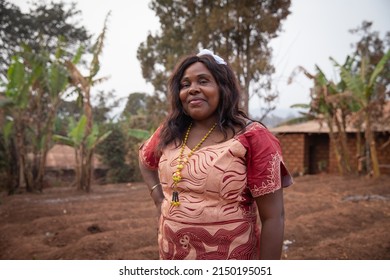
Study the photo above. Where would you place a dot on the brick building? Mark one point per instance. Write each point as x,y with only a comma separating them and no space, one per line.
307,149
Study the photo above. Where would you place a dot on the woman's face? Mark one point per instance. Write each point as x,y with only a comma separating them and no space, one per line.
199,93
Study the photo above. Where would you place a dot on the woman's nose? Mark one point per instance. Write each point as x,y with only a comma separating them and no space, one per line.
193,89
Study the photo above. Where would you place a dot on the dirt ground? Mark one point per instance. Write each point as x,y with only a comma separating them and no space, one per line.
327,217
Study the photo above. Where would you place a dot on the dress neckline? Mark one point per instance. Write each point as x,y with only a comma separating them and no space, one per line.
213,145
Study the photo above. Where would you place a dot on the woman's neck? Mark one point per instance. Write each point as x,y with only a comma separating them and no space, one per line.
204,124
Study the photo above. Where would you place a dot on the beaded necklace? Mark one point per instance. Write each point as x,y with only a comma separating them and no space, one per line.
183,161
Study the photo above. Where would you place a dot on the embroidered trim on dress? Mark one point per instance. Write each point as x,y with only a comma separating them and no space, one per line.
273,180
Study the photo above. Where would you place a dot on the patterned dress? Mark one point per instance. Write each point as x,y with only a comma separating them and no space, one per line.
217,217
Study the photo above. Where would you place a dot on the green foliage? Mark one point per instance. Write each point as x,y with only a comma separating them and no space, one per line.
34,87
77,131
136,104
139,134
140,117
143,112
113,154
104,104
46,48
379,68
67,111
362,83
77,137
83,84
237,30
44,26
357,98
57,78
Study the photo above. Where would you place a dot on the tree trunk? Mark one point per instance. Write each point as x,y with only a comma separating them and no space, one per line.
13,170
88,130
41,169
77,152
24,177
89,171
335,145
370,138
46,134
359,152
345,156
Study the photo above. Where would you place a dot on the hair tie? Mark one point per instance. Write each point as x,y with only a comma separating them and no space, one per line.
217,58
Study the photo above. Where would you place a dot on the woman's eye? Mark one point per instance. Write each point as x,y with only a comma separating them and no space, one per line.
184,85
203,82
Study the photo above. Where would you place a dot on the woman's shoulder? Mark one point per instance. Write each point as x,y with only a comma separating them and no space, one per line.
148,153
256,134
253,127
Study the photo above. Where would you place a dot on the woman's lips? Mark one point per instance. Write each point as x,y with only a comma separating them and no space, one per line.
196,102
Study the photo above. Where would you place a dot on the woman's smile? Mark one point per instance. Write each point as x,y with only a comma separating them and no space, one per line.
196,102
199,92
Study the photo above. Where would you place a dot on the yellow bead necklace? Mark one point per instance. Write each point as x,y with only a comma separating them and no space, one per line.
183,161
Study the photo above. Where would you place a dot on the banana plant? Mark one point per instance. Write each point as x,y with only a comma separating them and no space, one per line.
363,86
328,105
52,85
35,85
81,143
18,87
84,85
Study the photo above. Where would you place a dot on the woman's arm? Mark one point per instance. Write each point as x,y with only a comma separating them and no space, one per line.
271,211
151,179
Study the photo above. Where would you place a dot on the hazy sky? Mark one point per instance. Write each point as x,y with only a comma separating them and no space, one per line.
314,31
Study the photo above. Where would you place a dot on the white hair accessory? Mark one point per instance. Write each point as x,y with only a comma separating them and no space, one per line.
217,58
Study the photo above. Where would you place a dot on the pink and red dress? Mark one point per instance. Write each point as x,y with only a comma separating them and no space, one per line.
217,217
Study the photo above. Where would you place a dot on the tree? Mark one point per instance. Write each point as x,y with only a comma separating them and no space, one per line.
368,81
13,104
113,154
84,148
42,27
143,111
35,85
330,104
363,86
369,50
237,30
136,103
357,98
66,110
140,117
104,103
36,81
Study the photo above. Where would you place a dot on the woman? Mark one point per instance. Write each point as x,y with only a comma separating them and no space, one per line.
210,170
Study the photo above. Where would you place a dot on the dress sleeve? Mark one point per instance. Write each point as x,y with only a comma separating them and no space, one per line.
147,151
266,171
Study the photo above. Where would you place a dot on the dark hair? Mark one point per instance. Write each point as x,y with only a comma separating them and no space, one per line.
228,111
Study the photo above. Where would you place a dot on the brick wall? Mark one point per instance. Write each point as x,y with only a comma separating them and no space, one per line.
313,153
294,152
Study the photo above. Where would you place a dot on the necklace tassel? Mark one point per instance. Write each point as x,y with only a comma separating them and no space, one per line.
175,199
